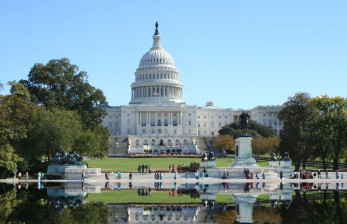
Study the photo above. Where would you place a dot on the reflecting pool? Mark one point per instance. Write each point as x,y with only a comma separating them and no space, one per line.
158,202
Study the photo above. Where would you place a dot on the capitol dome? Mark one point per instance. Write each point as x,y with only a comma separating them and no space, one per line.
156,78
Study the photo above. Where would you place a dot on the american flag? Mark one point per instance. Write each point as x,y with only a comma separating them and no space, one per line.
155,94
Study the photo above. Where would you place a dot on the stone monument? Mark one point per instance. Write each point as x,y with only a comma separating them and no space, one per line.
62,160
208,161
243,152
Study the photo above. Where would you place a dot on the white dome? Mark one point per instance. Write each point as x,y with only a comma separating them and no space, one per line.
157,57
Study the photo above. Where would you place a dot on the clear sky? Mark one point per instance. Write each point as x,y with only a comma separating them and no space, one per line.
239,54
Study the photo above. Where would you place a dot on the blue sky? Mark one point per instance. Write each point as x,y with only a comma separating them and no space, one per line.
239,54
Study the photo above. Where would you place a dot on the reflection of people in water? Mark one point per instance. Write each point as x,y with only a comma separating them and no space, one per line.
130,185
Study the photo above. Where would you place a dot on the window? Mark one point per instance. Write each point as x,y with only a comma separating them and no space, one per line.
143,131
145,142
128,131
152,122
220,125
189,114
174,131
212,132
205,125
166,123
137,142
159,131
189,122
143,122
177,142
153,142
198,125
212,123
174,122
169,142
185,142
128,122
159,122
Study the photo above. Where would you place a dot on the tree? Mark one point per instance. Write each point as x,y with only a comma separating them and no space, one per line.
60,84
296,134
225,142
51,131
254,129
265,145
330,127
16,111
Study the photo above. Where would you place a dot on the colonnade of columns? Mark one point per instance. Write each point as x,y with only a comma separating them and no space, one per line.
159,118
172,76
156,91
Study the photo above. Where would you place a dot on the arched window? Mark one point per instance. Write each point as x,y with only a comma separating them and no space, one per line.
153,142
169,142
145,142
185,142
137,142
177,142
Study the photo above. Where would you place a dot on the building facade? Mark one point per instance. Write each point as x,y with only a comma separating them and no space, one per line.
157,117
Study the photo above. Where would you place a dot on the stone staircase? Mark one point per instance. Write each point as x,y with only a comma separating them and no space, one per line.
205,144
118,146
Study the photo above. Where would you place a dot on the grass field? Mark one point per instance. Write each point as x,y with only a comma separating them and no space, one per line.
131,196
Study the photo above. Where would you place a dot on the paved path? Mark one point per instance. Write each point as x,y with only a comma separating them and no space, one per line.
181,178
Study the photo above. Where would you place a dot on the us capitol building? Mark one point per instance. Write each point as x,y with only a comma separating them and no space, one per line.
157,117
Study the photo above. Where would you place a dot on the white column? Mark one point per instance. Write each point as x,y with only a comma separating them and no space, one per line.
156,119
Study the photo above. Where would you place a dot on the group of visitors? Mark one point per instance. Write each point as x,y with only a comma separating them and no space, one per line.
20,175
144,168
158,176
180,168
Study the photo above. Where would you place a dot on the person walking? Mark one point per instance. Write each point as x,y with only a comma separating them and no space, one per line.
263,175
257,175
14,176
27,175
118,175
130,176
337,174
326,174
83,175
42,176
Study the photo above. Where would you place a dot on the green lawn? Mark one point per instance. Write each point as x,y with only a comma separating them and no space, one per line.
131,196
131,164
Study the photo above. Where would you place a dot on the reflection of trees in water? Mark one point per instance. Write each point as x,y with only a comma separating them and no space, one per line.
33,206
227,216
327,208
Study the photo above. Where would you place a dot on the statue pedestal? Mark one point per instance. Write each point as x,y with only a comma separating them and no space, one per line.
274,164
243,154
286,164
208,164
57,168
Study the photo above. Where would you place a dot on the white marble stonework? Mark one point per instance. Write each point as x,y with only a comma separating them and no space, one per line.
243,153
157,108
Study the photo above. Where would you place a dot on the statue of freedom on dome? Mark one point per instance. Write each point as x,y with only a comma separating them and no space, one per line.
156,29
243,122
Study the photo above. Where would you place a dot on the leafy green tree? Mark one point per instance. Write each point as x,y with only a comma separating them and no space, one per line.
330,127
296,134
51,131
254,129
60,84
16,111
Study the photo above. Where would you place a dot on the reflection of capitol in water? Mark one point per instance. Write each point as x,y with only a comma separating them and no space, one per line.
244,196
162,214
